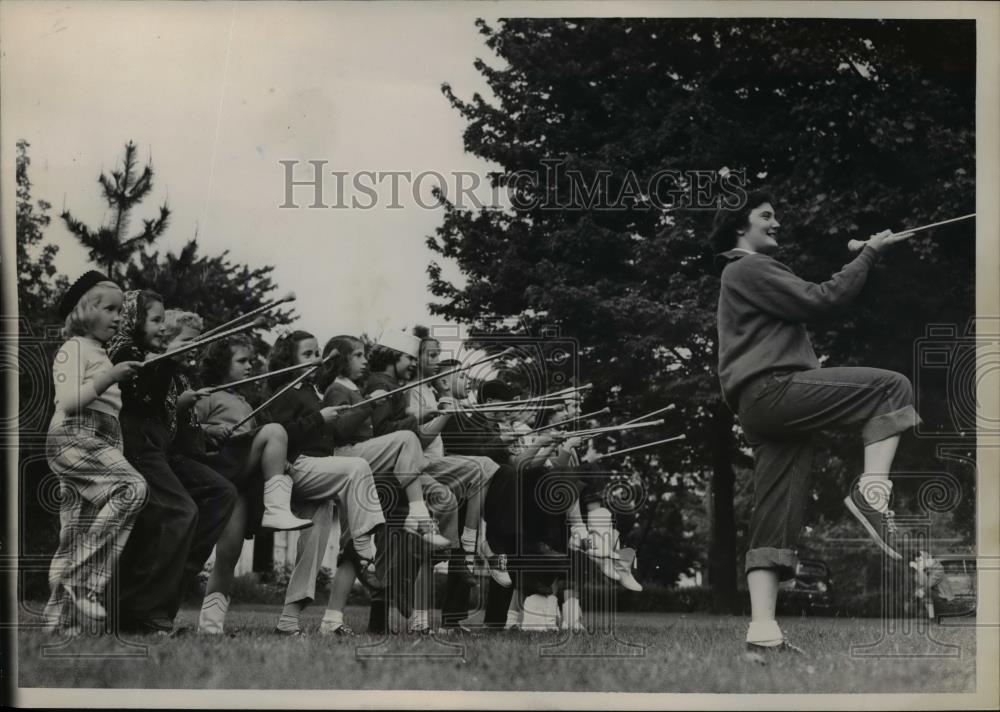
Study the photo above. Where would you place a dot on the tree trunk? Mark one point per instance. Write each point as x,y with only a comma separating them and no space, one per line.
722,548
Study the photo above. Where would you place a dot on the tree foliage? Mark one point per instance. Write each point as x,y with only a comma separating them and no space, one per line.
37,282
108,245
857,125
213,287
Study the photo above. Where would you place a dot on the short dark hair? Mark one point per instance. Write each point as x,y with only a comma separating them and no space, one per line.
217,357
495,390
337,366
727,222
380,357
283,355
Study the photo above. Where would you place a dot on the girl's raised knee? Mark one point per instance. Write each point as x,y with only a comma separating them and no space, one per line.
274,432
131,495
900,384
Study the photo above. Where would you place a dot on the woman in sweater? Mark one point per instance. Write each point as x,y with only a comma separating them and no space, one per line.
771,377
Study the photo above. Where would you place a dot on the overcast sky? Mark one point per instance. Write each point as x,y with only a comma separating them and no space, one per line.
217,94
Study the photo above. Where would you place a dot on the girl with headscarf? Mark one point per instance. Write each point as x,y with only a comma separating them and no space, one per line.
188,507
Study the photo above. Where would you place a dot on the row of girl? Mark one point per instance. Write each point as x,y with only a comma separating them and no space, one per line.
161,463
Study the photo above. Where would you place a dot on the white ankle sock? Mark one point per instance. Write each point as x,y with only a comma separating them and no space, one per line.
418,510
468,540
332,619
365,546
765,633
419,619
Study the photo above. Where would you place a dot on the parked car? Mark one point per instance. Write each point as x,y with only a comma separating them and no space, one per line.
960,571
811,589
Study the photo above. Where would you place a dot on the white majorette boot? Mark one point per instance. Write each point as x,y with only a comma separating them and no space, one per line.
212,619
624,565
601,542
277,511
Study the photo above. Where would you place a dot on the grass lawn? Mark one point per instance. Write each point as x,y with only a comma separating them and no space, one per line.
658,652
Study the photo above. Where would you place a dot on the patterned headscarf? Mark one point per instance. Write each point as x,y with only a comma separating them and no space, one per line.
129,323
132,321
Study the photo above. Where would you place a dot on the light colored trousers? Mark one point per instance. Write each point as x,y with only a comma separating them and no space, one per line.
321,486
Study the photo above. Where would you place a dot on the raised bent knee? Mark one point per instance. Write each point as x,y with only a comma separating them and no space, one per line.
130,496
360,469
439,498
274,432
901,388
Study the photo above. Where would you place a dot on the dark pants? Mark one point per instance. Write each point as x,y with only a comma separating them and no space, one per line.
525,515
395,550
215,496
500,511
780,413
176,524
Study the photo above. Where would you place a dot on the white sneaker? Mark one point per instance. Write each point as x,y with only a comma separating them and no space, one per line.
765,634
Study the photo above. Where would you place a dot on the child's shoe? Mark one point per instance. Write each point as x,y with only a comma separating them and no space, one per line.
277,506
87,603
212,618
337,630
427,530
572,617
540,613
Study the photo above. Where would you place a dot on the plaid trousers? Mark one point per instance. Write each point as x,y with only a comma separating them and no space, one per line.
100,495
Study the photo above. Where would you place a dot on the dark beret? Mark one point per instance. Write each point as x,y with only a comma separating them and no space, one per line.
80,287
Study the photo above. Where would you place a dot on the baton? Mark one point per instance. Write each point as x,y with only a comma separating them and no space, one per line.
855,245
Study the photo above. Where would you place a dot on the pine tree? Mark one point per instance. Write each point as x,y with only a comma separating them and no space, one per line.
123,190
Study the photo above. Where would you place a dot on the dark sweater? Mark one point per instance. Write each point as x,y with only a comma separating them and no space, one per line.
189,438
762,312
151,395
297,411
390,414
354,425
473,436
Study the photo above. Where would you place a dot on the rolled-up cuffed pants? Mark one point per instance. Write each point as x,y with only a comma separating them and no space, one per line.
322,486
780,412
464,475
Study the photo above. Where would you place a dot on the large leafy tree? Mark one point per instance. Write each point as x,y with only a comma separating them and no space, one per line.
856,125
109,245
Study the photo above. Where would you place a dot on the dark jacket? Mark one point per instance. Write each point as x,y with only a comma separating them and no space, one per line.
390,414
354,425
152,394
472,436
297,411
